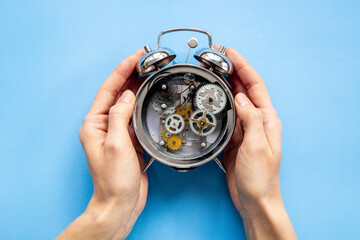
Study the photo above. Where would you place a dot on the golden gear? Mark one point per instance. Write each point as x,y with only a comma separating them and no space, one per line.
185,112
165,134
174,142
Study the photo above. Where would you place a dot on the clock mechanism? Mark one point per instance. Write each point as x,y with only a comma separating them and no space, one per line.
184,114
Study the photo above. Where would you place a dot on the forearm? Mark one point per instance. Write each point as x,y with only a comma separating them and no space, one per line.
100,221
267,219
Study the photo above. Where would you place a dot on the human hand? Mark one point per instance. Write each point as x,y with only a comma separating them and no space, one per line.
115,159
253,156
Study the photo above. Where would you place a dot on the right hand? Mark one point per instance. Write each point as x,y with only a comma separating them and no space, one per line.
253,156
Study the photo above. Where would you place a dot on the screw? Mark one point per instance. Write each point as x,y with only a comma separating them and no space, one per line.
193,42
147,48
222,49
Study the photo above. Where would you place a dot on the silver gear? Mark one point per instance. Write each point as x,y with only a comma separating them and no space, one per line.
210,97
174,123
202,122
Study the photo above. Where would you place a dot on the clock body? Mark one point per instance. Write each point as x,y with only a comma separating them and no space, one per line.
184,115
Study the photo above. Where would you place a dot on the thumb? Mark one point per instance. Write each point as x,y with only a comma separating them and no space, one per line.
251,121
119,117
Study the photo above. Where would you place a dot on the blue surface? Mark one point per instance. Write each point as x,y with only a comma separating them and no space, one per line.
55,54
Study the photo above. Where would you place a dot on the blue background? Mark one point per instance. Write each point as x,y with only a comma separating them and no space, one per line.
55,54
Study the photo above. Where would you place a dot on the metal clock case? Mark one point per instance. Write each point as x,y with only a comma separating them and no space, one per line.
184,114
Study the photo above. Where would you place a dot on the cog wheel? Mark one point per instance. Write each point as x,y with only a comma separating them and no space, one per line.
185,112
202,122
165,135
174,142
210,97
174,123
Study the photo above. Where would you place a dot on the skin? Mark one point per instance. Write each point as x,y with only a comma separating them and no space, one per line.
116,159
253,156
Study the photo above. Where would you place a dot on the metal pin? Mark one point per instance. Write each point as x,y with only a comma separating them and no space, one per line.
148,163
147,48
192,42
220,164
163,87
222,49
203,145
163,106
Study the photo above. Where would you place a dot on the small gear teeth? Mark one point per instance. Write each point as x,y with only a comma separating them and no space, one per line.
213,92
185,112
164,134
174,142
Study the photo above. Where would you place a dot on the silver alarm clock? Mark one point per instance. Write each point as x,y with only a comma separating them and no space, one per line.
184,114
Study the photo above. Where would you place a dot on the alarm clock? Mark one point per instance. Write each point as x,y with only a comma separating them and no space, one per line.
184,114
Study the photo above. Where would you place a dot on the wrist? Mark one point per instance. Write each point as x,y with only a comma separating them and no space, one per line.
101,220
261,207
108,218
266,217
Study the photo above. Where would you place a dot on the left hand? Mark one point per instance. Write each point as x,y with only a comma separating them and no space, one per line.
115,159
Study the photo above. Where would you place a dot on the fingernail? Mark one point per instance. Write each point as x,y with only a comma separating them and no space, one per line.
126,97
241,100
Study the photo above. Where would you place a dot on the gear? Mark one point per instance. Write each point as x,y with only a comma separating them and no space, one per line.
174,123
165,135
174,142
185,112
210,97
202,122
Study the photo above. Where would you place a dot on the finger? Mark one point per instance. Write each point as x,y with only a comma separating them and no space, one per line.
136,85
127,85
107,93
237,86
252,81
251,121
118,140
119,117
258,94
133,84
